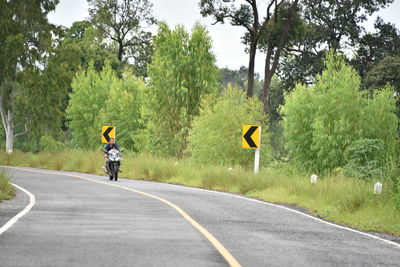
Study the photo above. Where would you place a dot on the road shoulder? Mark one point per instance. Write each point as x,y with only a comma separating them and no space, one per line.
10,208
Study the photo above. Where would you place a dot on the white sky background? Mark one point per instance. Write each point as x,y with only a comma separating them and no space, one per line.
226,39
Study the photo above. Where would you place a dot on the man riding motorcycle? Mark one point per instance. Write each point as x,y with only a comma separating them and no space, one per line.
107,168
110,146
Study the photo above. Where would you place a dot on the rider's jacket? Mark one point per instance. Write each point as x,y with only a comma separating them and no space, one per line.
108,147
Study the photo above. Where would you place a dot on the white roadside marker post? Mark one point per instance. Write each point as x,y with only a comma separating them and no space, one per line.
314,178
378,188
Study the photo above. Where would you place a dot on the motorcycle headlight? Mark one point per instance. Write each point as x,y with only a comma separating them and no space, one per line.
114,156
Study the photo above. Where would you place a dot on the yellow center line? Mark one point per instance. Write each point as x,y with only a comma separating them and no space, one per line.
219,247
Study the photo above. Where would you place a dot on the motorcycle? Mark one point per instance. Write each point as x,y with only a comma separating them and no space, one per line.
113,163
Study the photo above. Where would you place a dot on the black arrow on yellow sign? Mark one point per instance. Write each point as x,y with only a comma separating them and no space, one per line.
105,134
248,135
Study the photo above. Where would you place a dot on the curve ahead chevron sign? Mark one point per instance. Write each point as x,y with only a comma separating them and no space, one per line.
251,136
107,132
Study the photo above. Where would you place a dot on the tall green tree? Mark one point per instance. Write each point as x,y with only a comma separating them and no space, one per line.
79,46
122,109
90,92
387,71
41,104
102,98
272,28
239,78
89,47
25,38
234,77
322,122
330,24
125,23
285,26
373,47
246,14
182,72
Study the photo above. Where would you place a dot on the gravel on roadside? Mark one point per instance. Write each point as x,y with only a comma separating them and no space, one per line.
10,208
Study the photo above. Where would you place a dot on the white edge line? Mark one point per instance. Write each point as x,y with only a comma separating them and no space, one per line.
292,210
13,220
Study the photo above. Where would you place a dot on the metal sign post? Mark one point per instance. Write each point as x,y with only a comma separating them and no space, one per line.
257,155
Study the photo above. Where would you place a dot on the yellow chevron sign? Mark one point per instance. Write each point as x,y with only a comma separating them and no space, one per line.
107,132
251,136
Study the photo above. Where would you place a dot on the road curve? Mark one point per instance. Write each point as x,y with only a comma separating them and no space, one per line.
79,222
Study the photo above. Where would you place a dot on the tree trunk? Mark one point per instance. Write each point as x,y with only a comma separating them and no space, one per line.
9,130
250,73
120,51
9,140
267,77
269,73
274,56
7,118
267,90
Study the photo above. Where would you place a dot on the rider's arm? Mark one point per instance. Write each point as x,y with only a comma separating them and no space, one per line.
105,151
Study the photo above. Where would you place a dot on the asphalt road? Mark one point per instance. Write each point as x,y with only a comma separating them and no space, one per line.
77,222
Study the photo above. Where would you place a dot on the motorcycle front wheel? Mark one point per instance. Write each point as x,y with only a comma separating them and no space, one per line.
115,173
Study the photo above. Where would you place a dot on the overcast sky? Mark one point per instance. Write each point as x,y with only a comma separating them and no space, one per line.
226,39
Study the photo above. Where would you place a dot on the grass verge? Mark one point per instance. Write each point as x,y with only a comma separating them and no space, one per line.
7,191
336,198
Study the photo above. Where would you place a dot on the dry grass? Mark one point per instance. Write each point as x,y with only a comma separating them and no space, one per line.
7,191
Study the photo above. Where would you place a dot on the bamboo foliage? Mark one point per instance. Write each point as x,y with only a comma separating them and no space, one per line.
323,120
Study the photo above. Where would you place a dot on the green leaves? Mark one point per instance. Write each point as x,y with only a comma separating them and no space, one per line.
216,136
366,158
123,23
182,72
337,25
25,43
90,92
373,47
387,71
101,98
122,109
322,121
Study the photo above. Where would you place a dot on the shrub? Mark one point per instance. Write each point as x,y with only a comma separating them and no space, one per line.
216,134
90,90
7,191
321,122
366,158
182,73
277,141
48,144
397,199
122,109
